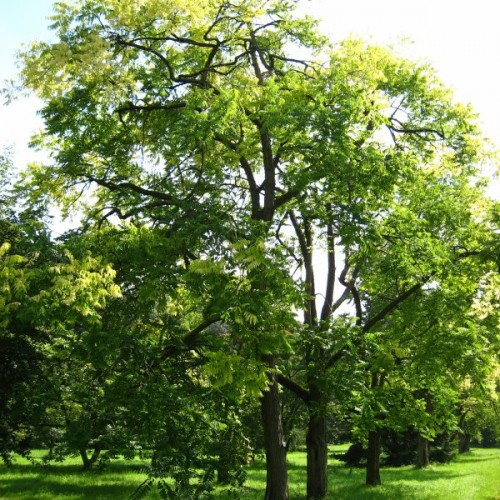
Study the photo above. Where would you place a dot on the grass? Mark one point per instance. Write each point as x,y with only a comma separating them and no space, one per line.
67,480
475,475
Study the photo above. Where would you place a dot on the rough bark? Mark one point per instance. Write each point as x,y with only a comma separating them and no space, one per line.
373,458
317,456
274,441
422,452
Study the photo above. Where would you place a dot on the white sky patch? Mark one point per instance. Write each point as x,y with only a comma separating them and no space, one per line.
460,38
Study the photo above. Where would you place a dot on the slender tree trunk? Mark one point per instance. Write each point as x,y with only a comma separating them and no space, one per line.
317,456
422,452
225,463
374,441
88,462
274,441
373,458
464,436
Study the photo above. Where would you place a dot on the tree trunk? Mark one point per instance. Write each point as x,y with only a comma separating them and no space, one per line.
274,441
373,458
88,462
464,442
223,476
464,436
226,460
224,466
317,453
422,452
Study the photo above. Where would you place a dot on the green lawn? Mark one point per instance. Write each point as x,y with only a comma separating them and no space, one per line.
475,475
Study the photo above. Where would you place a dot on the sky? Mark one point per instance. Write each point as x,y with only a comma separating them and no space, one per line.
460,38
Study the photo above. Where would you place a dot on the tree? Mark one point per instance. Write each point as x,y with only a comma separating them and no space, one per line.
200,120
423,229
24,245
432,344
49,297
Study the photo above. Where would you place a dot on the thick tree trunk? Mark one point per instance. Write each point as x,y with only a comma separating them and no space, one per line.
223,476
317,453
274,442
88,462
373,458
422,452
464,442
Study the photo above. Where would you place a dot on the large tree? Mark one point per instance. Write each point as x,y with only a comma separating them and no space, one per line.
241,136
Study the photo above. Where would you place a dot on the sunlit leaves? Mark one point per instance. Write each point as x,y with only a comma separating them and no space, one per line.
78,286
233,371
13,283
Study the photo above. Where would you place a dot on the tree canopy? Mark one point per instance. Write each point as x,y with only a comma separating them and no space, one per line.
217,152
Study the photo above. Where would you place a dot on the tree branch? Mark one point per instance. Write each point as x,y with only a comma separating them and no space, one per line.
247,169
297,389
150,107
394,304
416,131
285,198
190,339
327,309
335,358
351,288
304,236
124,186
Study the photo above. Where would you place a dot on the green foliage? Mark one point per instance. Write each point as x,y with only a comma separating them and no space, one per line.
208,163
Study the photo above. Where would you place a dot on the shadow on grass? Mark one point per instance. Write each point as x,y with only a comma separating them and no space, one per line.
119,479
46,487
58,469
469,458
402,483
31,482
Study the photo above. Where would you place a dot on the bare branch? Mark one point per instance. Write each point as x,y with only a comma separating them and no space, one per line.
416,131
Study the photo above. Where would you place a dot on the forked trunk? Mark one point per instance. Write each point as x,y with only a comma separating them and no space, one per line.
422,452
88,462
317,453
274,442
373,458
